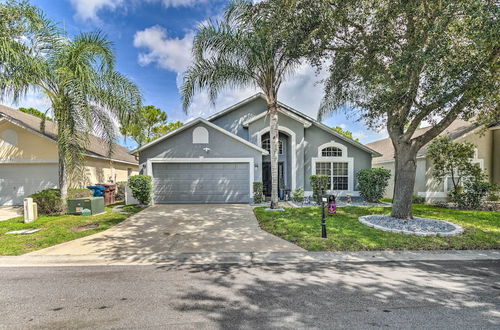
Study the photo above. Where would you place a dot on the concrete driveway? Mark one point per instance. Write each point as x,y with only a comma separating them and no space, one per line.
9,212
163,229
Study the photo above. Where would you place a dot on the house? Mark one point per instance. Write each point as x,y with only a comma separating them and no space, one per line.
29,158
216,160
487,155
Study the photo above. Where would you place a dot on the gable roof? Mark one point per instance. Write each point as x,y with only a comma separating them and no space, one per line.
193,123
97,147
457,129
288,110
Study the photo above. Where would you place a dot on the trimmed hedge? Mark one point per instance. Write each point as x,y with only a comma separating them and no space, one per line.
258,192
372,183
319,182
298,195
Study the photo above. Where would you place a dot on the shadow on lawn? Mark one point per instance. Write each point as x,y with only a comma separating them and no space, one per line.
398,295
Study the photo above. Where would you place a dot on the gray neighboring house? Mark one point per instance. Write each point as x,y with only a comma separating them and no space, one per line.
216,160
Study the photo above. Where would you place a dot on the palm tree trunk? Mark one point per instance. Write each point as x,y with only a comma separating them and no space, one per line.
274,137
63,169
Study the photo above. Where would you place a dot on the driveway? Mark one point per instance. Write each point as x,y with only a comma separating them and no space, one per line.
9,212
163,229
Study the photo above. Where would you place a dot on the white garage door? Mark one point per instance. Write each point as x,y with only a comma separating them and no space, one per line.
18,181
201,183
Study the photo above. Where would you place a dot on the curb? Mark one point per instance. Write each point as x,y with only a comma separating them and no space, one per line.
247,258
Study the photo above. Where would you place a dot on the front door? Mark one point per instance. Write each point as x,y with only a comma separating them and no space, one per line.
266,177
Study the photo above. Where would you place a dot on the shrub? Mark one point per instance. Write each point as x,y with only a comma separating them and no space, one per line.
258,192
372,183
298,195
120,191
418,199
472,194
319,183
141,187
48,201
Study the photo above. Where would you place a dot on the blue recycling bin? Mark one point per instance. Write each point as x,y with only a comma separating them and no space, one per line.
97,191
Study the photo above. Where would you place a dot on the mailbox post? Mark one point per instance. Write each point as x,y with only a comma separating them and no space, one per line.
323,218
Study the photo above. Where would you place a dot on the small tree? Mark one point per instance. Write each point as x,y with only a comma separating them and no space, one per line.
319,185
141,187
372,183
453,160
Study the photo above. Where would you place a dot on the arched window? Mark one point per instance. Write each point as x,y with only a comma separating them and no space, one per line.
10,136
266,145
200,135
331,152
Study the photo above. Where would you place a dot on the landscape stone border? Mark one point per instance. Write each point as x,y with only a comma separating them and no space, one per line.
369,219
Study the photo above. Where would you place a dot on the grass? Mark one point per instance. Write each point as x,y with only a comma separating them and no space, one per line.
54,230
345,233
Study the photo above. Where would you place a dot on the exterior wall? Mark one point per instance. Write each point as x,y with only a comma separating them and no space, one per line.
221,146
233,120
30,146
496,156
102,171
389,191
295,135
315,137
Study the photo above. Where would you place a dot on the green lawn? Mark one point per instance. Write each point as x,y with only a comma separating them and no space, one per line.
55,230
345,233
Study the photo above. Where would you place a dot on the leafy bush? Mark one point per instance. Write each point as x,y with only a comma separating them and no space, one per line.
319,183
372,183
48,201
298,195
493,195
258,192
141,187
120,191
418,199
472,194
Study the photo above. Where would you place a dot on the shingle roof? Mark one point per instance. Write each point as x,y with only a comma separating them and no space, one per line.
455,130
97,147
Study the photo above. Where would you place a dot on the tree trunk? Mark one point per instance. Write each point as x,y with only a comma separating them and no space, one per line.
404,182
274,139
63,169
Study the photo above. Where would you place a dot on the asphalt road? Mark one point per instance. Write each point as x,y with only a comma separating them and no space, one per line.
430,295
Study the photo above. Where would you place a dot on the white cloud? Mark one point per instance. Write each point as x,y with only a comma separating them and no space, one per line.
88,10
173,54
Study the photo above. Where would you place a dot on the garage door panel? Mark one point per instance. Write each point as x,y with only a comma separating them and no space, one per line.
201,183
20,180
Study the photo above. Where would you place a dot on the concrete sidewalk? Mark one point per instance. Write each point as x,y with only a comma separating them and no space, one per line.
249,258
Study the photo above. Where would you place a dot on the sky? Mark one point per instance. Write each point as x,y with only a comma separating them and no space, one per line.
153,40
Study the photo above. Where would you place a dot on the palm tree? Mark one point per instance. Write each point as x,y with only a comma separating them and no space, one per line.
25,37
241,50
87,97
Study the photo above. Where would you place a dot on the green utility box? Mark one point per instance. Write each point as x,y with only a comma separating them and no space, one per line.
94,204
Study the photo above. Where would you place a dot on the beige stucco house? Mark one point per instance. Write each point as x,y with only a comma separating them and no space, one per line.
29,158
487,155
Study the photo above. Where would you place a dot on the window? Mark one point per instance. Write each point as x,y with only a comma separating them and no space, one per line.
200,135
325,169
266,145
336,172
331,152
339,176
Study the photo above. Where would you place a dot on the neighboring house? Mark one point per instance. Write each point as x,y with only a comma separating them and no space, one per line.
29,158
487,155
216,160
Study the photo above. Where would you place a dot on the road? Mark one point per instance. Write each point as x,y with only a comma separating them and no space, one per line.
399,295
